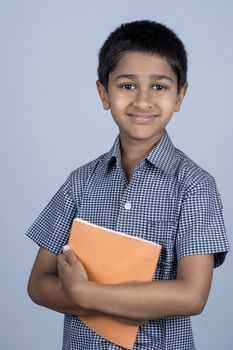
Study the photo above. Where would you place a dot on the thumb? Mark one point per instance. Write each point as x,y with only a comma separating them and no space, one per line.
69,254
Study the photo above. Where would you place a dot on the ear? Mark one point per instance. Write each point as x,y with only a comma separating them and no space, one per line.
103,94
180,97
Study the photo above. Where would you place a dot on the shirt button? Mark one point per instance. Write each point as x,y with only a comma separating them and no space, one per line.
127,205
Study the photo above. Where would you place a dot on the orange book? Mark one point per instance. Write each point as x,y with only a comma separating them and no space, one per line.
112,257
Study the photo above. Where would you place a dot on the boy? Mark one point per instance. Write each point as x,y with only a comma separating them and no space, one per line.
144,187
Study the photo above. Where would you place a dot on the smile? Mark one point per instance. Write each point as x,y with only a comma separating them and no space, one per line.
142,118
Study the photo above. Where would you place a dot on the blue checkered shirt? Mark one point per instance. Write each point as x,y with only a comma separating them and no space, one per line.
170,200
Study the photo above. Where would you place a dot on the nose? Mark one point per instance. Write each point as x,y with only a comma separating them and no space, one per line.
143,99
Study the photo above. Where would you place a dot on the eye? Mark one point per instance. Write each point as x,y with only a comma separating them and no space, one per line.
128,86
159,87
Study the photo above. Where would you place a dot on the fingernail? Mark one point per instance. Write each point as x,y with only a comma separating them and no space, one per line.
66,248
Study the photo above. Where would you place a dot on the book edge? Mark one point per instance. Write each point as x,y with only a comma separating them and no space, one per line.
116,232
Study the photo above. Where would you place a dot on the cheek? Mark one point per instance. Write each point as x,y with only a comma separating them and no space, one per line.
118,104
168,104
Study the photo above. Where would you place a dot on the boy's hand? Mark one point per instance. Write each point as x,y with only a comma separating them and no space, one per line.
71,273
73,278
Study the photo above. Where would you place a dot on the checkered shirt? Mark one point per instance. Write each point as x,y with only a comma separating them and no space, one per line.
170,200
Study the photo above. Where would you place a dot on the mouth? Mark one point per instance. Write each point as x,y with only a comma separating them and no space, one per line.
142,118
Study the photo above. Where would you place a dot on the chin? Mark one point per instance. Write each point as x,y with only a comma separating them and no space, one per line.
148,135
147,138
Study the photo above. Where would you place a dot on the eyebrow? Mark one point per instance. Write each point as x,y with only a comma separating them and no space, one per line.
152,77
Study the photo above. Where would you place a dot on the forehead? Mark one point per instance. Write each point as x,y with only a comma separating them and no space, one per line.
142,64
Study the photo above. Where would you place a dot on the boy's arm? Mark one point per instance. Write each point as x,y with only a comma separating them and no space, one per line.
184,296
43,285
43,288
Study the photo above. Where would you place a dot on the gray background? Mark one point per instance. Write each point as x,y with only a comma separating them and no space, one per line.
52,121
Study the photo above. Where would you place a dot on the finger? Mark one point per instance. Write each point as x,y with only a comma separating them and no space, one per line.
62,267
59,284
69,255
62,263
61,259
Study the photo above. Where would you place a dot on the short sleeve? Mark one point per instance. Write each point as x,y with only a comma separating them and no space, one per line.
51,229
201,228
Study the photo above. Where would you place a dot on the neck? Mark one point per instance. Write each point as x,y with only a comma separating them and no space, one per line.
132,151
137,149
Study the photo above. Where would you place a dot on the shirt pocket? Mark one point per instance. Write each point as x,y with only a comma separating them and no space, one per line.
163,233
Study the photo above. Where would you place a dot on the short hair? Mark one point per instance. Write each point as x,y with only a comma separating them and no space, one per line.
143,36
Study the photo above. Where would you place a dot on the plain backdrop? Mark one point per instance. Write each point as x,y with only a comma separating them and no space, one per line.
52,122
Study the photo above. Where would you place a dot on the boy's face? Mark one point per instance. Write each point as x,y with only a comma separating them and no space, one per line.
142,96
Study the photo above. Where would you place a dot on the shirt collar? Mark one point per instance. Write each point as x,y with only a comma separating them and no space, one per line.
115,151
114,155
161,156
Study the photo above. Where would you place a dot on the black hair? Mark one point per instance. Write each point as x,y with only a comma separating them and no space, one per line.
147,37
